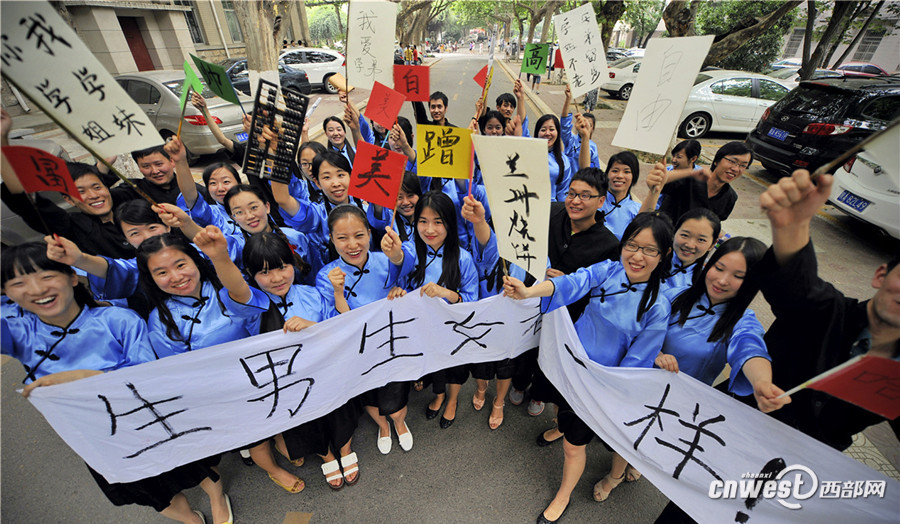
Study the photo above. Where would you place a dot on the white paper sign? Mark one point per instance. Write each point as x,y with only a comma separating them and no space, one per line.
662,87
45,59
582,49
517,179
701,448
141,421
370,49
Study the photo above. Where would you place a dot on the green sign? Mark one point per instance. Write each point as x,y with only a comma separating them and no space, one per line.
190,81
535,59
216,80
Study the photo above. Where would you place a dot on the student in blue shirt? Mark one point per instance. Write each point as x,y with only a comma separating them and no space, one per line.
548,128
695,234
572,141
622,170
402,221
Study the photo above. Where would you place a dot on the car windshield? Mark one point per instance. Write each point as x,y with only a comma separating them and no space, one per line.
783,74
818,101
623,62
175,87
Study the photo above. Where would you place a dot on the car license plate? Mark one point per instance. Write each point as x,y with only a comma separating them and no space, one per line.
779,134
857,203
241,137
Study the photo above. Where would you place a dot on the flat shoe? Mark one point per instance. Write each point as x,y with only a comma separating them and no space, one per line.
350,465
543,442
432,414
544,520
230,513
384,443
406,439
446,423
332,471
297,487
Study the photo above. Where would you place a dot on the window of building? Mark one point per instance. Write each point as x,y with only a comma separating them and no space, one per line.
868,45
231,19
793,45
193,21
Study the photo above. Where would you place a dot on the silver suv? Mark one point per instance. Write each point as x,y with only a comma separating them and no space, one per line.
319,64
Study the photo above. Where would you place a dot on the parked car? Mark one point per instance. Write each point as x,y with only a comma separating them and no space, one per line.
289,77
724,100
158,93
319,64
615,54
792,74
862,69
786,62
820,119
622,74
864,190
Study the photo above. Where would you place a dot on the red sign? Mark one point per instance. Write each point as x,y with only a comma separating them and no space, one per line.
384,105
872,383
377,174
38,170
412,81
558,60
480,78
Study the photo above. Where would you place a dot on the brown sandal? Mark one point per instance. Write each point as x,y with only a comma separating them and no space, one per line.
478,403
495,422
601,494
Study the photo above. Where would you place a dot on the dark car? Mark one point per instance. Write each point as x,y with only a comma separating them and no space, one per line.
821,119
240,77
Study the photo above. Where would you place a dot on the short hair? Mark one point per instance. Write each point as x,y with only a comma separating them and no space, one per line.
506,98
591,117
593,177
731,148
437,95
892,263
141,153
626,158
80,169
690,147
488,115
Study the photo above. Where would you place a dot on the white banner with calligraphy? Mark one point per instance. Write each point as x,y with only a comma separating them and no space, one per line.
141,421
662,87
517,179
370,46
582,49
45,59
704,450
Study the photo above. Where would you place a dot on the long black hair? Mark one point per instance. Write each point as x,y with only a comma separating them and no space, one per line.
661,228
557,145
31,257
696,214
411,186
212,168
351,151
753,251
315,194
339,161
446,211
158,297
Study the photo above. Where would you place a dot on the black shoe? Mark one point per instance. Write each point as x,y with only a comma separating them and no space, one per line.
446,423
542,442
544,520
247,461
431,414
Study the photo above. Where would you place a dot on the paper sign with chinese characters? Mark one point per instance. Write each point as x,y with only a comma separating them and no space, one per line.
190,81
517,180
45,59
412,81
217,80
872,383
377,174
370,45
443,151
582,49
534,60
660,91
384,105
38,170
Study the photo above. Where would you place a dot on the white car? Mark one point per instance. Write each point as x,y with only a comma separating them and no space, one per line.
622,74
318,64
865,190
731,101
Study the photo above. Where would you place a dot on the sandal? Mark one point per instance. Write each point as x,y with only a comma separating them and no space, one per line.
332,472
478,403
295,462
631,474
494,422
350,465
601,494
297,487
419,385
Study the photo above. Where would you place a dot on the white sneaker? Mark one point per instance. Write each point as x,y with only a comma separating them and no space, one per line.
384,443
406,439
535,408
516,397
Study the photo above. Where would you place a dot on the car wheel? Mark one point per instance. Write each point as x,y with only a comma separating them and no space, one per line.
327,87
695,126
190,157
625,92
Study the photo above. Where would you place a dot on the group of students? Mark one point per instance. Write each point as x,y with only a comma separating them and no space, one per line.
230,259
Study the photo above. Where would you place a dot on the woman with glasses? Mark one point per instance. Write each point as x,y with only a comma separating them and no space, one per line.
686,189
624,324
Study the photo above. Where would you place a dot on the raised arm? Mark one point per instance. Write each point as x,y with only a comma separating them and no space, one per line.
392,246
174,216
175,148
399,137
516,289
584,134
519,93
656,179
212,242
351,118
200,104
473,211
63,250
566,104
790,205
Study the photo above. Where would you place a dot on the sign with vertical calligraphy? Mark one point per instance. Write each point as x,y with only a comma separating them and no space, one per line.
517,180
412,81
38,170
582,49
370,46
660,91
190,81
377,174
217,80
44,58
384,105
443,151
535,59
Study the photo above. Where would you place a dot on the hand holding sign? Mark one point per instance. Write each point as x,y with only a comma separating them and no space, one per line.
376,176
384,105
412,81
38,170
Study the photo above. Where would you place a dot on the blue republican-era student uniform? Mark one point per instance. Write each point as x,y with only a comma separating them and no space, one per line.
300,301
434,267
487,262
387,219
679,277
201,323
704,360
103,339
608,328
206,214
619,214
572,143
457,189
361,286
560,178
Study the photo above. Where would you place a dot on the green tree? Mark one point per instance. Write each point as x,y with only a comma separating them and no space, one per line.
324,26
643,16
725,19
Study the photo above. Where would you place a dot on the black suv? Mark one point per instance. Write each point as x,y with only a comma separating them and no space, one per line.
821,119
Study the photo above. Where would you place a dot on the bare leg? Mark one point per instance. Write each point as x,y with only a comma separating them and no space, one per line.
384,429
480,391
179,509
216,493
262,456
452,397
503,386
436,402
399,418
573,467
345,450
612,479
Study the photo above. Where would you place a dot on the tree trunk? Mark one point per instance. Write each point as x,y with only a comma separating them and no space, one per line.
836,42
858,36
548,21
810,26
733,41
337,11
679,18
839,11
304,23
263,39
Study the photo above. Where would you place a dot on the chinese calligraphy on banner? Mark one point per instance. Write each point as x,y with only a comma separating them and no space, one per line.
517,180
412,81
140,421
582,49
45,59
384,105
370,46
377,174
38,170
660,91
535,59
704,450
443,151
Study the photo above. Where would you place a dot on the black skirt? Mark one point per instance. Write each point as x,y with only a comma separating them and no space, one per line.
544,390
157,492
500,369
452,375
329,432
389,398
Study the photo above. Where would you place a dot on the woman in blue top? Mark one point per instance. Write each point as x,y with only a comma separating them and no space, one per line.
402,221
624,324
623,171
695,234
547,127
434,262
64,335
